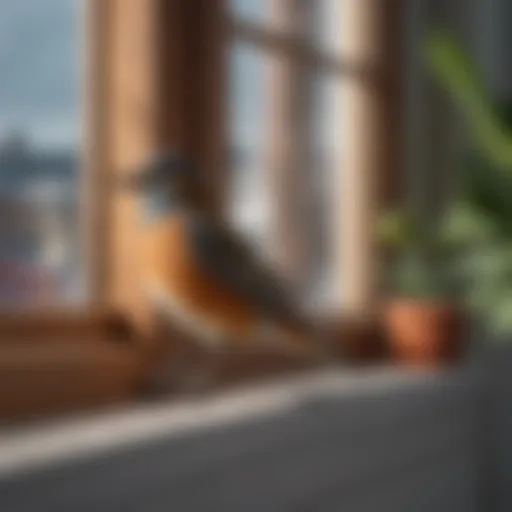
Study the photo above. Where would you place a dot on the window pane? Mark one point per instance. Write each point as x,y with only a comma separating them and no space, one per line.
313,100
326,25
316,21
249,206
326,162
39,134
255,11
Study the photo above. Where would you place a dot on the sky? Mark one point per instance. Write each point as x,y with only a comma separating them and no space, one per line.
40,77
39,66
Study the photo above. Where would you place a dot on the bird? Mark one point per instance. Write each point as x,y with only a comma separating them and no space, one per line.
203,276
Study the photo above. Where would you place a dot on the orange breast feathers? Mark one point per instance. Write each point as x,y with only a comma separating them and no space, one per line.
171,264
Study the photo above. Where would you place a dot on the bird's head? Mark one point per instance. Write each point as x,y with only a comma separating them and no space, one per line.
166,174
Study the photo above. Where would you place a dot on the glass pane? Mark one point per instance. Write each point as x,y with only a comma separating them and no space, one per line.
326,161
311,102
249,206
255,11
326,25
316,21
39,134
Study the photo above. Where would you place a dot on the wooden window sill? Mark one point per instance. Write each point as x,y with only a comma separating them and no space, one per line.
47,325
53,362
57,362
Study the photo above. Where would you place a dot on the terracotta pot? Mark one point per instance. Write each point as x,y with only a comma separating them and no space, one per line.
424,333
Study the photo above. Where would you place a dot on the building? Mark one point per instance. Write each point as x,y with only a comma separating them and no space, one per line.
38,218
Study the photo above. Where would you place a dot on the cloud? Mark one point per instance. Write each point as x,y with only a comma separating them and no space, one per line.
39,49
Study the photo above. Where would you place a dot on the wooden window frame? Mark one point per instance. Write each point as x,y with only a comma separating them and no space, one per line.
95,173
138,81
371,65
92,199
172,31
148,53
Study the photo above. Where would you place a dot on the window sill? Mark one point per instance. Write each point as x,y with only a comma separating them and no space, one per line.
53,362
40,326
362,399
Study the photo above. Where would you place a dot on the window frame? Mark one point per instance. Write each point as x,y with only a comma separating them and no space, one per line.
191,119
376,39
370,63
92,196
94,169
293,56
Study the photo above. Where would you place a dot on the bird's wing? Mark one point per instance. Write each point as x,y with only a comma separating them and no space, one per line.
224,257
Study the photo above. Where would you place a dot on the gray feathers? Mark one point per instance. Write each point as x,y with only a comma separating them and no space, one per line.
227,260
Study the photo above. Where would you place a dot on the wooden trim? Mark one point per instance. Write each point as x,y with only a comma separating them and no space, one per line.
95,182
212,114
171,85
41,327
133,111
63,376
284,43
289,146
299,49
165,92
192,86
372,166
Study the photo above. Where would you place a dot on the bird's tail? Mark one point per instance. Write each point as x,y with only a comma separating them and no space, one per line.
310,336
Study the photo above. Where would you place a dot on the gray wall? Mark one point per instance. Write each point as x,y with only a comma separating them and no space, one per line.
434,132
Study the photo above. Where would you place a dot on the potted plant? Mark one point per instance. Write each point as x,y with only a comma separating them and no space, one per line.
421,315
480,219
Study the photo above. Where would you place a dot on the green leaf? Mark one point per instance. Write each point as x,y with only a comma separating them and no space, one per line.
501,315
396,229
488,191
415,276
459,75
463,225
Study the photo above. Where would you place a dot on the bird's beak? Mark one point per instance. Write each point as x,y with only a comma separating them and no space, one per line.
135,180
132,182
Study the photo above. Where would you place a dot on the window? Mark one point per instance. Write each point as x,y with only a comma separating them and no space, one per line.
250,208
40,133
154,79
288,136
285,134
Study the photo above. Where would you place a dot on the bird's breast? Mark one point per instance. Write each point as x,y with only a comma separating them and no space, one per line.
170,262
